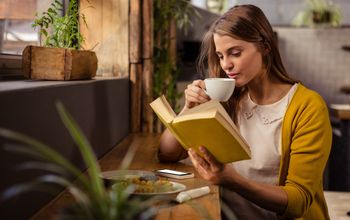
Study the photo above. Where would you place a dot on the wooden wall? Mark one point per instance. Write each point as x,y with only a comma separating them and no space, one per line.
17,9
120,31
107,32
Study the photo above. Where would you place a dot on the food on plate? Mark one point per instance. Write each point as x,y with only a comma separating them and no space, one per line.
143,185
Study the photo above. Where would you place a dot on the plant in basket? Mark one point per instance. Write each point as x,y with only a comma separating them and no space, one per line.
60,57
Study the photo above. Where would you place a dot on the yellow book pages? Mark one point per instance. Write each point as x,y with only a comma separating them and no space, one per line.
212,104
163,109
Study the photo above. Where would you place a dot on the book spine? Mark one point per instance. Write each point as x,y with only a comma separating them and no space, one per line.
171,129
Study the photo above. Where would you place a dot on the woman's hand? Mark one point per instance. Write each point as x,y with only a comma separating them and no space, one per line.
195,95
270,197
209,168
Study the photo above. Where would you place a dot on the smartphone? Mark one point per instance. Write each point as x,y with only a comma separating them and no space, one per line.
174,174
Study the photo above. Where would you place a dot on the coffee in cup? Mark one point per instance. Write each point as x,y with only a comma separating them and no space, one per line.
219,89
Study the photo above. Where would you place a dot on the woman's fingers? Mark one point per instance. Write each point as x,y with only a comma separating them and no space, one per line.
215,165
194,94
197,161
207,166
199,87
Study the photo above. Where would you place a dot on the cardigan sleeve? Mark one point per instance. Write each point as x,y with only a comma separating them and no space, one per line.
310,143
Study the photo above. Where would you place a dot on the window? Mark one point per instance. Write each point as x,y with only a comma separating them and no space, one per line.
16,32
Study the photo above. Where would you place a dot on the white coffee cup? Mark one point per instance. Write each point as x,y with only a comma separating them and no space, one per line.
219,89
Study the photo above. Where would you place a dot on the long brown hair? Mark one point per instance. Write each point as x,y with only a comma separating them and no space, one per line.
247,23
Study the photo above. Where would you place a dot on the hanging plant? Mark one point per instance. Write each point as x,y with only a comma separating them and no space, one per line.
166,13
318,13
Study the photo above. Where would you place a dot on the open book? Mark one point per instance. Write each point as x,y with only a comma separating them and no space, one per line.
207,125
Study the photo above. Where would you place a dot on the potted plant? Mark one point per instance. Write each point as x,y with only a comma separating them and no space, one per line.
318,13
60,57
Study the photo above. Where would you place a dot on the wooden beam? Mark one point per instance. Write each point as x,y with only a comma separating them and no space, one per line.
135,31
147,56
135,92
147,31
147,96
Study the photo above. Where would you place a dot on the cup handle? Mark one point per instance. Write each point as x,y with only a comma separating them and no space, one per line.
205,91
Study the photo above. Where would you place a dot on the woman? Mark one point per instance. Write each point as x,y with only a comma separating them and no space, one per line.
286,125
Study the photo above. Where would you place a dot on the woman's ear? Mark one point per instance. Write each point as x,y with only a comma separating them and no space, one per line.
267,48
266,51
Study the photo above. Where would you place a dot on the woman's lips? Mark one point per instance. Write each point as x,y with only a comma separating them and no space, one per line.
232,75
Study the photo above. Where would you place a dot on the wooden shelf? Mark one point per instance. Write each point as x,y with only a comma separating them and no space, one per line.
341,111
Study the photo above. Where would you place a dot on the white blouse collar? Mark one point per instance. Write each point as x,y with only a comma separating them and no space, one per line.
267,113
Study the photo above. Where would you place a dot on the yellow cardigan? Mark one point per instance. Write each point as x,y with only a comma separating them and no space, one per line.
306,144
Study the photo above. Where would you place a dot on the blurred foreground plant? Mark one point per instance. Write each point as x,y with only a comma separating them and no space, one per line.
92,199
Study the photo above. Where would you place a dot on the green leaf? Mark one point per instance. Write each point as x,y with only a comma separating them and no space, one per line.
43,166
86,152
44,32
18,189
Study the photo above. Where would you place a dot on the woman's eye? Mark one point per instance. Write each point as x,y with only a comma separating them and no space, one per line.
236,53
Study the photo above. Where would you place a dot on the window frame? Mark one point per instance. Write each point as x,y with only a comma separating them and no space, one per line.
11,64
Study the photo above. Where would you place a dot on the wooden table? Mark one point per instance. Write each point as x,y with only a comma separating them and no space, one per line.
145,146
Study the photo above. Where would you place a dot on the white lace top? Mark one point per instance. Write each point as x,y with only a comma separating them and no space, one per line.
261,126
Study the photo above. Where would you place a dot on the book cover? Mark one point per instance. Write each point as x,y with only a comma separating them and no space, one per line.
206,125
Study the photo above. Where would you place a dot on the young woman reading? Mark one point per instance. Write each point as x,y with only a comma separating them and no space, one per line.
285,124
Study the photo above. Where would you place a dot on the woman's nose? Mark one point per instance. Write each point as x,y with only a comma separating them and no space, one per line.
226,64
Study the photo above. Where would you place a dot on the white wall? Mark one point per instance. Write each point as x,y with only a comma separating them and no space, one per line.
315,56
282,12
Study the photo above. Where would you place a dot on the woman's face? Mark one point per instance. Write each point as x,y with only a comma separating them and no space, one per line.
241,60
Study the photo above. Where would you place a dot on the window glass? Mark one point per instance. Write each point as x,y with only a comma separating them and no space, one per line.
16,32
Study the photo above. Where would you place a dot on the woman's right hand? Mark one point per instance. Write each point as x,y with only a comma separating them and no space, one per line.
195,95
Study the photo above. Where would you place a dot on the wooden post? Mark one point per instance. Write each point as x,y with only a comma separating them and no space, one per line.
147,97
135,92
135,31
147,75
147,21
135,64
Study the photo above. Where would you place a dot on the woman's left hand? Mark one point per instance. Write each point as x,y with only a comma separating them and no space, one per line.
209,168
